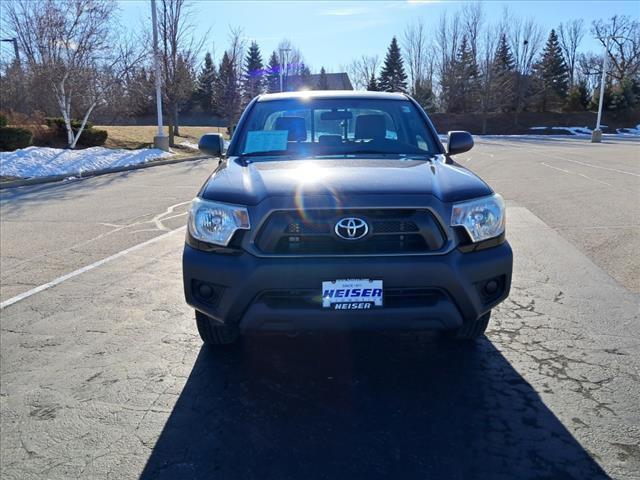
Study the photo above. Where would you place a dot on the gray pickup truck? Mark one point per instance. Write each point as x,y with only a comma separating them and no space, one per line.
343,210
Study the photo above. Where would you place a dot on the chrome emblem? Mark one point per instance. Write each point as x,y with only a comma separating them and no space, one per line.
351,228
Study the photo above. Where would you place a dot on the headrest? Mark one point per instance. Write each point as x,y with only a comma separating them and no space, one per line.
370,126
295,126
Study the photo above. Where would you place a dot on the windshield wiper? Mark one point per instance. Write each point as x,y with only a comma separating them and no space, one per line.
404,155
272,153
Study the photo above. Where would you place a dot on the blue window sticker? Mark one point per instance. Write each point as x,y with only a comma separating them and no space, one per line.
266,141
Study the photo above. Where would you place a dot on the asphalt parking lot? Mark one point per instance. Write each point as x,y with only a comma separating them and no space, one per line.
103,374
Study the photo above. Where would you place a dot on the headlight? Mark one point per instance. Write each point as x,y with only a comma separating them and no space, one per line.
483,218
216,223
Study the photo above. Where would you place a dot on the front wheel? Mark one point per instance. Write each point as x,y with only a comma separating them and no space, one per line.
471,330
213,333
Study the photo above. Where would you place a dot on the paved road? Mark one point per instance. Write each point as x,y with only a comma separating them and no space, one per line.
103,375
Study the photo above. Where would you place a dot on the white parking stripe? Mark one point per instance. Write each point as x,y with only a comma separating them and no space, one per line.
84,269
578,174
596,166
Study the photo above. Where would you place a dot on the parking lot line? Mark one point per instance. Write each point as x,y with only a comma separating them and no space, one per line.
84,269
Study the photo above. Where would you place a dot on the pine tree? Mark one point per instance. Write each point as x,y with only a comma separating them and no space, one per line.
204,84
552,75
502,77
372,86
424,96
273,74
393,77
304,77
253,84
577,98
466,80
323,81
226,100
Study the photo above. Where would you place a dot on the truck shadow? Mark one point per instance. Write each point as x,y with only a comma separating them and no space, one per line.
362,407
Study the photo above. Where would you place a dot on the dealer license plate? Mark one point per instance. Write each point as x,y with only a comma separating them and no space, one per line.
352,294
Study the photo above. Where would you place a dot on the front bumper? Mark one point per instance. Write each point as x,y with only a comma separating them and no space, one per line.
245,287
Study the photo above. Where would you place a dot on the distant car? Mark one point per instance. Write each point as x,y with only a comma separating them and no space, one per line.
343,211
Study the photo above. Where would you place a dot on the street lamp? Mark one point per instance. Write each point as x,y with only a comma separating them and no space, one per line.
284,57
15,47
160,141
596,135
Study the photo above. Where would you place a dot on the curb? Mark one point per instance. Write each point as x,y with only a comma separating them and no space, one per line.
96,173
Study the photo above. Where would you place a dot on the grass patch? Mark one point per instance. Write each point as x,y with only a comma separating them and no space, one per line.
135,136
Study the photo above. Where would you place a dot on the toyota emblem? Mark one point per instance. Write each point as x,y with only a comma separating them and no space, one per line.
351,228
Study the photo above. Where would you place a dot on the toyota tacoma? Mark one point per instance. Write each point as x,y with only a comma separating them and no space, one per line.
343,210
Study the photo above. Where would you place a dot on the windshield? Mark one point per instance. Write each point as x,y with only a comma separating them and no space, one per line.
334,127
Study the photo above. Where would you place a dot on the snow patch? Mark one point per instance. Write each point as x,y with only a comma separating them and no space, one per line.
191,145
571,130
44,161
630,131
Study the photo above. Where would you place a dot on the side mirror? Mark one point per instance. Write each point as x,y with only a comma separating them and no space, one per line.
211,144
459,142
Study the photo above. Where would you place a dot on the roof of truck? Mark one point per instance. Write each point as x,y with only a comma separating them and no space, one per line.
328,94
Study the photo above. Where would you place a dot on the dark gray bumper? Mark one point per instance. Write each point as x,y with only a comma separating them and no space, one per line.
242,281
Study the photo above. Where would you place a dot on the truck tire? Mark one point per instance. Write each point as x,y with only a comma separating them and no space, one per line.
212,333
471,330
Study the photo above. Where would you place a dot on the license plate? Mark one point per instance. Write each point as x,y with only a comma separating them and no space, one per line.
352,294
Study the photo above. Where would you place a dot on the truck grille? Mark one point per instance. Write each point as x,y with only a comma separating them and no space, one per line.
391,231
312,299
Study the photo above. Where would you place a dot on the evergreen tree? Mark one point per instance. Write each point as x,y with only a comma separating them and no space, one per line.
205,83
424,96
578,98
273,74
552,75
466,80
323,81
503,60
304,77
372,86
624,95
393,77
253,84
226,99
502,77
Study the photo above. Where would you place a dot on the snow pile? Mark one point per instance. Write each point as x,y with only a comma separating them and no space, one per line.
45,161
587,131
571,130
630,131
190,145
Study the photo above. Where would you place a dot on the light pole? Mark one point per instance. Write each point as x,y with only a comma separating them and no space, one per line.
160,141
284,54
596,135
15,47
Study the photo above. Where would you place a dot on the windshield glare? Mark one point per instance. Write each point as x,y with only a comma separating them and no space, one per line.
328,127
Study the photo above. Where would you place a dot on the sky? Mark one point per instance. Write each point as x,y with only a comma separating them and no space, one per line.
333,33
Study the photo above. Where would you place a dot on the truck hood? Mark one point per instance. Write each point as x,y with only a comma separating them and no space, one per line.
249,184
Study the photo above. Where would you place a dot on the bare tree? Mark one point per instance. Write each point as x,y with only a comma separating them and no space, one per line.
447,40
227,94
361,70
178,51
525,38
237,46
473,21
415,50
570,35
489,97
71,46
621,36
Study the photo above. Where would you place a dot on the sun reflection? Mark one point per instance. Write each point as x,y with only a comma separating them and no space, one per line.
313,192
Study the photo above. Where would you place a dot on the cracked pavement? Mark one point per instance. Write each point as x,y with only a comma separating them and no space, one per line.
103,376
